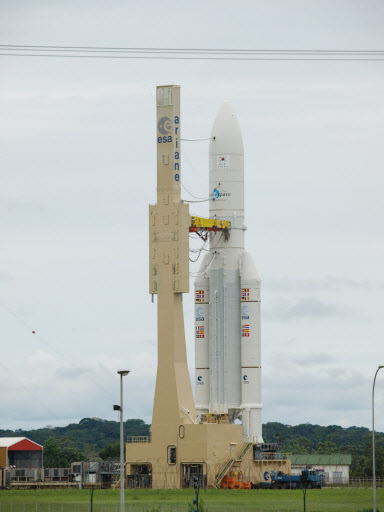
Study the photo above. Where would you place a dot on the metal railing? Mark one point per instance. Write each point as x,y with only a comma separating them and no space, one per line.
24,477
358,481
271,456
138,439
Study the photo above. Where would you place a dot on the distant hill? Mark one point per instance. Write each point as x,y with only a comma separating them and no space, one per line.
100,433
89,431
93,435
309,436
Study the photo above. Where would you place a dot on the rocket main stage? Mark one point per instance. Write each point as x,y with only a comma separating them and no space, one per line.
227,295
202,441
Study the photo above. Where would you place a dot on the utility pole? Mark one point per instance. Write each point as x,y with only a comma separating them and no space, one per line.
373,441
122,374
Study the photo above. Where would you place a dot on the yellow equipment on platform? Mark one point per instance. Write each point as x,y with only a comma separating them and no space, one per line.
209,224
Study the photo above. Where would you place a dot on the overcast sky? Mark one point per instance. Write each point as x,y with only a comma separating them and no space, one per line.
78,171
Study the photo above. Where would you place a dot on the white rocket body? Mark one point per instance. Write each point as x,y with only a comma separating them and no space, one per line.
227,294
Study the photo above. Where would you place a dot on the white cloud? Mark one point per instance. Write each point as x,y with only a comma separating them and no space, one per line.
43,388
283,309
319,390
330,283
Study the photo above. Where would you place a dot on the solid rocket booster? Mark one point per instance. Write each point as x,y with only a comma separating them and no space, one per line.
227,294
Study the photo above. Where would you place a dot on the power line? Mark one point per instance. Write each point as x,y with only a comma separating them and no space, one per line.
198,140
206,268
194,50
105,52
180,58
205,198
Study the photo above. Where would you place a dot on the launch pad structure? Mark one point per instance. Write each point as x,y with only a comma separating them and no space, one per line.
182,445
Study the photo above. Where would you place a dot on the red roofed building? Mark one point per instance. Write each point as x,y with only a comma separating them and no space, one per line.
20,452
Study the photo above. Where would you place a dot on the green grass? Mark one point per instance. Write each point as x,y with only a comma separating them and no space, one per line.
351,499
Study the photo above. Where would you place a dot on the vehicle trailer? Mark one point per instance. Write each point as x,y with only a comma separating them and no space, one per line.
309,478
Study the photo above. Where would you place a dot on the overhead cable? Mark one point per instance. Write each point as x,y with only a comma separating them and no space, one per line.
105,52
157,49
190,193
201,272
199,201
198,140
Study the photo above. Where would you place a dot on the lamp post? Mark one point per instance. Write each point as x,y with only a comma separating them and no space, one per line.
122,374
373,441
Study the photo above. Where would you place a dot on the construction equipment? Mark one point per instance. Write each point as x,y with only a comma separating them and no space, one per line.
231,482
201,226
308,479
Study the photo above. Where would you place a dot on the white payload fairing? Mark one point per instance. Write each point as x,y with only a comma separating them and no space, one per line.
227,295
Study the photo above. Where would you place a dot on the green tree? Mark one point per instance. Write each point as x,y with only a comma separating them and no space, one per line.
379,455
294,446
60,452
327,448
111,452
90,452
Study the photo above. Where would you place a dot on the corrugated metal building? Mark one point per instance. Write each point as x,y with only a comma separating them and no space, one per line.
20,452
336,466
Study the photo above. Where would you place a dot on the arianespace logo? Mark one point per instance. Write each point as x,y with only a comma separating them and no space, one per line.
199,314
244,313
200,381
216,194
245,379
164,125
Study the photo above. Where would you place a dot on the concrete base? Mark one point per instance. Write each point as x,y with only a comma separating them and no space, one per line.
217,449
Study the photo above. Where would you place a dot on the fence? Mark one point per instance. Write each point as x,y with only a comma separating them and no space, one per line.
329,499
38,475
103,474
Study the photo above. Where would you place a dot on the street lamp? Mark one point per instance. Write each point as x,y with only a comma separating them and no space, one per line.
122,374
373,441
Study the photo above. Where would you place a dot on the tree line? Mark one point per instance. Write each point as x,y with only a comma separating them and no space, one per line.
333,439
98,439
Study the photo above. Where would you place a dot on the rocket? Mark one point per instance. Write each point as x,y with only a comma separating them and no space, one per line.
227,296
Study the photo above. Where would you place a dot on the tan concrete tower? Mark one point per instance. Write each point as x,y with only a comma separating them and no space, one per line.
169,222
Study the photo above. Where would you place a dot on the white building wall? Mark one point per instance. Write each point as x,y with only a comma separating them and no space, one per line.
335,474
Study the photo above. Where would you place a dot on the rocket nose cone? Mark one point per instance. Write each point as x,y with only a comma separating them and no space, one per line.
226,133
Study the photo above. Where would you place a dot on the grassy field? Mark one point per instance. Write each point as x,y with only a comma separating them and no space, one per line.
139,500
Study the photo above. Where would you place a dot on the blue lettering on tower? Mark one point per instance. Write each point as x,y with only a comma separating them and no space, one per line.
164,140
177,154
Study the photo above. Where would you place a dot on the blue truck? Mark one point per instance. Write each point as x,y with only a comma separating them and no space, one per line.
309,478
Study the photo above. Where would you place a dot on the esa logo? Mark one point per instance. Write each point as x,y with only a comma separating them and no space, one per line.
245,379
200,381
164,126
199,314
244,313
